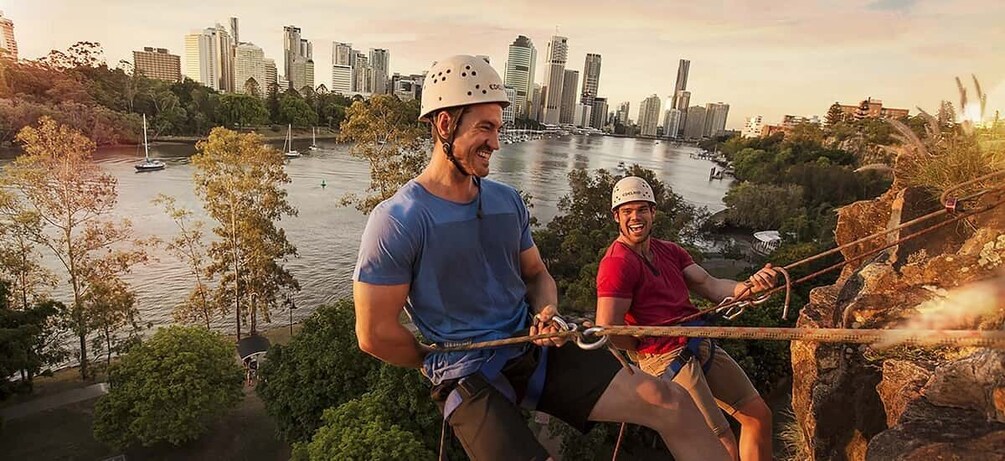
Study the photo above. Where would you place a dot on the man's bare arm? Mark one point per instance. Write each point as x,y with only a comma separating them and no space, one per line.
378,330
611,311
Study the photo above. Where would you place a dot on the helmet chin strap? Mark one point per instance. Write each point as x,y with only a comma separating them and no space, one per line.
448,149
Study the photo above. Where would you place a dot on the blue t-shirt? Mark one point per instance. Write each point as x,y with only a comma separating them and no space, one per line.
464,272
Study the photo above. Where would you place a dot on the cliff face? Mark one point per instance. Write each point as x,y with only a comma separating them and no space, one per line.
895,403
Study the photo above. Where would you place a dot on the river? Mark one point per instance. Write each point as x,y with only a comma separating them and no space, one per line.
327,236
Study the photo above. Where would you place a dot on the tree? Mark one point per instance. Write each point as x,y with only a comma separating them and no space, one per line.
362,430
73,198
242,110
384,132
834,115
19,260
169,388
762,206
295,111
27,342
112,306
240,182
322,367
574,241
188,247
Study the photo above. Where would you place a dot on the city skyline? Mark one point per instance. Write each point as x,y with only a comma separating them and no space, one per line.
797,58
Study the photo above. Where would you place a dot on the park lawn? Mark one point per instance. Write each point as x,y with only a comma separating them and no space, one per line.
247,433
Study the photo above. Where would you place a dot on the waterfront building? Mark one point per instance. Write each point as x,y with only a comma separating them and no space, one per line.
694,122
249,70
681,97
671,122
380,60
554,77
622,114
519,74
591,79
567,113
298,54
715,119
752,127
649,114
157,63
508,116
209,58
598,114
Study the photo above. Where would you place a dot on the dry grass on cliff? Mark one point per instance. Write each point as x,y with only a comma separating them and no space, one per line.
945,157
793,441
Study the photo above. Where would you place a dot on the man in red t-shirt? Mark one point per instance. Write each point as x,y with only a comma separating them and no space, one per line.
645,281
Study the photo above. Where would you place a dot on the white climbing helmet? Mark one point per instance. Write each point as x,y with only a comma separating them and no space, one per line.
460,81
631,189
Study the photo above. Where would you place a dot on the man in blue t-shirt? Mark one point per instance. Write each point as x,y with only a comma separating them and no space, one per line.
454,250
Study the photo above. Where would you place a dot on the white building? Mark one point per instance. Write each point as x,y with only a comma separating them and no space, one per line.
649,114
554,78
591,79
583,116
519,74
671,122
209,58
249,70
8,45
298,56
509,112
752,127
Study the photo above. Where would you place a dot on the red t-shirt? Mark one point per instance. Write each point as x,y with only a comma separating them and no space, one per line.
656,299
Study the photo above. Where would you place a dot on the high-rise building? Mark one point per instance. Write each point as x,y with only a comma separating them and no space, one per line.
715,119
582,116
297,52
694,122
209,58
520,74
342,54
681,97
342,79
649,115
379,62
537,103
591,79
8,46
671,122
622,114
234,30
598,116
554,77
249,70
362,75
157,63
271,75
508,116
567,111
752,127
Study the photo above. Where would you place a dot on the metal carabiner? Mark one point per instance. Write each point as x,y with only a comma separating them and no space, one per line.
733,311
589,346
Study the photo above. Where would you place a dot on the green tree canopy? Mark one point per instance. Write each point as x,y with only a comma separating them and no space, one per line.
362,429
322,367
236,110
169,388
294,110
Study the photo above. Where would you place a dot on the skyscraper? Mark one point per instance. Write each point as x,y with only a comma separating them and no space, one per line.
249,70
554,77
379,62
598,116
234,30
622,113
209,58
671,122
681,97
537,103
715,118
567,112
520,74
157,63
297,52
8,46
649,115
508,113
591,79
694,122
362,74
271,75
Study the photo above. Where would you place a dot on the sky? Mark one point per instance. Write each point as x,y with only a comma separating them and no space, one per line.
765,57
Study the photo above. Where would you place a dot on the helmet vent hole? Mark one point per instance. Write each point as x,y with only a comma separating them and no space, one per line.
439,74
444,78
464,74
434,80
441,98
473,73
484,92
469,93
448,71
478,87
467,67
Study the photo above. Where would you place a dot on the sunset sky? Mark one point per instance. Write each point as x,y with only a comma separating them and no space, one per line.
765,58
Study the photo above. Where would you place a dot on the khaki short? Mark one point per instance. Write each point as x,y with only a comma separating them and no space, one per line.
725,385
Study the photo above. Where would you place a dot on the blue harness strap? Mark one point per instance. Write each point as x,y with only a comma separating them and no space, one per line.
691,351
491,370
